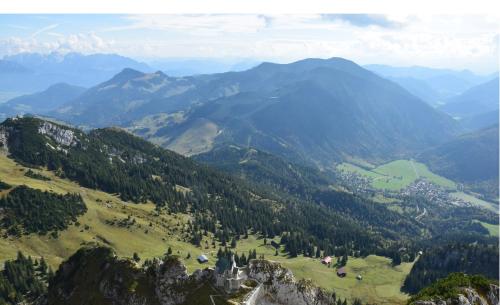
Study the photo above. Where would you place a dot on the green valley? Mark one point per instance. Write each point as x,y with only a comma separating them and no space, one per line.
398,174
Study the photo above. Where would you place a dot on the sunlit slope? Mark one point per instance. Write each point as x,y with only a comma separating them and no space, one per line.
95,225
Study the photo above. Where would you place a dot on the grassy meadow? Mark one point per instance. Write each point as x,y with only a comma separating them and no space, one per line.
150,235
380,284
492,228
153,232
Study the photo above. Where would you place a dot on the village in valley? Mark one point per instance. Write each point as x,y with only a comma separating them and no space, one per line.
422,187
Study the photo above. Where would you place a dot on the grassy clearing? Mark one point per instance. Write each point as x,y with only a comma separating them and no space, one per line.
476,201
492,229
380,284
396,175
198,139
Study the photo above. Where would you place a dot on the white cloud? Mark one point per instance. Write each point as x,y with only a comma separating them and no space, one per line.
455,41
82,42
195,24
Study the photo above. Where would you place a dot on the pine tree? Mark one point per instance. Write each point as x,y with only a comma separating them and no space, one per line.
243,259
396,260
136,257
50,274
43,267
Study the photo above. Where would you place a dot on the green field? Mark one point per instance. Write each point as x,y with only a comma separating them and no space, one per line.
381,282
492,229
396,175
476,201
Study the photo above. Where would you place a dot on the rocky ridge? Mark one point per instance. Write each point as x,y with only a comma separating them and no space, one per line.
95,275
467,296
280,287
459,289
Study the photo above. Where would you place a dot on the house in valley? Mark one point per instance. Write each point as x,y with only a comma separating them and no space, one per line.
202,259
327,260
341,272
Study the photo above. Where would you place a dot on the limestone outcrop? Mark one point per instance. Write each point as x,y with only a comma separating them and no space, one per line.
280,287
467,296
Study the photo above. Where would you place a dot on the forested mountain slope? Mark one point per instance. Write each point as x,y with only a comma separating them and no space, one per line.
302,218
266,169
114,161
316,110
479,99
471,158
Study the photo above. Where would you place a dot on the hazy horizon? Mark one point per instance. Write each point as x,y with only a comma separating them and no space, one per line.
446,42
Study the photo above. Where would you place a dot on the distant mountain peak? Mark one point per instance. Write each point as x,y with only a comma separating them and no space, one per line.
160,73
127,74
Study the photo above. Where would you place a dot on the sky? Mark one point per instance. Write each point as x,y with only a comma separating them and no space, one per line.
442,41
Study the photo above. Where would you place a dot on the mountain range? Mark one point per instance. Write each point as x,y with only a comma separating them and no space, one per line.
432,85
32,72
312,110
132,195
478,100
196,66
470,158
41,102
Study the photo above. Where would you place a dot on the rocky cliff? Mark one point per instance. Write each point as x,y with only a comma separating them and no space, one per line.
61,136
459,289
467,296
96,276
280,286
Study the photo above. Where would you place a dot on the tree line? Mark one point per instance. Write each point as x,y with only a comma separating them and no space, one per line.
27,210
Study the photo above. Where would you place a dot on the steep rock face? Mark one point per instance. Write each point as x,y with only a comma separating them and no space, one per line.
173,284
60,135
4,136
467,296
94,275
280,286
